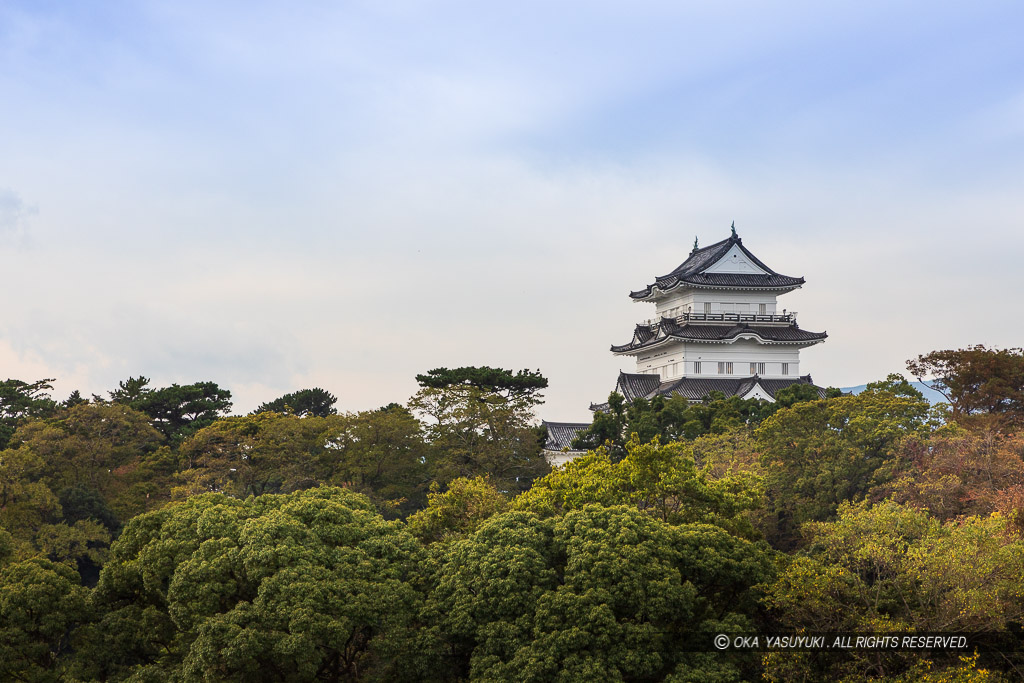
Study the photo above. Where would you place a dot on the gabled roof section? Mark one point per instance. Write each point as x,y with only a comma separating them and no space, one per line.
670,330
561,435
696,388
633,386
692,272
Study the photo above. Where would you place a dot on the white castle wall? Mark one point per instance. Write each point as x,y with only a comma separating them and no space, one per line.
676,360
692,301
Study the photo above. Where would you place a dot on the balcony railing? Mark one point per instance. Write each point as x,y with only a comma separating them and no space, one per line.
787,318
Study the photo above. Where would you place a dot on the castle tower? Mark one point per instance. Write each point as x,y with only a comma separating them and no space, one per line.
717,327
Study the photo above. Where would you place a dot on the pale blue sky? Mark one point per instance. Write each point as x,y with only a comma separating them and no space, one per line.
276,195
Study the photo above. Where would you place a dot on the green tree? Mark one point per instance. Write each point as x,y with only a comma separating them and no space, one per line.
312,585
677,418
480,421
661,480
381,454
378,453
596,594
177,411
457,511
131,390
253,455
523,386
107,448
20,401
40,601
818,454
304,403
27,505
74,399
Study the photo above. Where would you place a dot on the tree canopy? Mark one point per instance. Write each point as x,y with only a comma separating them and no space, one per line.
493,380
177,411
299,587
431,541
480,421
984,386
305,402
22,400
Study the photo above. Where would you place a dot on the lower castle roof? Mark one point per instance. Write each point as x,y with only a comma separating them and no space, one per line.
634,385
645,336
561,434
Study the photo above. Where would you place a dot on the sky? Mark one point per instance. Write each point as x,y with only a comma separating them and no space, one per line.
275,196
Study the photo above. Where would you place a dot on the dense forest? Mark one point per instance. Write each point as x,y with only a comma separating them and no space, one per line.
149,535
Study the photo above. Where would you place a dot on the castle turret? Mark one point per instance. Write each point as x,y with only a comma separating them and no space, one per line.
719,327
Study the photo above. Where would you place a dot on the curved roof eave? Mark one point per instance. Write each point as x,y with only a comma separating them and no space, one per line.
626,349
653,291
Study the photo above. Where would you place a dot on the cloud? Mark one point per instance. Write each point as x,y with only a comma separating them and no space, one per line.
14,217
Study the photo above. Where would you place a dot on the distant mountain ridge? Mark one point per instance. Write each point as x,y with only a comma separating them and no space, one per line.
924,387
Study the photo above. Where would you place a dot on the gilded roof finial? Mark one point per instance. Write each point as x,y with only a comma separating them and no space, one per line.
734,228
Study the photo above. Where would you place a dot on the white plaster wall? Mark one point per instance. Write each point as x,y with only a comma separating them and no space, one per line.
559,458
721,302
758,392
676,360
661,360
735,261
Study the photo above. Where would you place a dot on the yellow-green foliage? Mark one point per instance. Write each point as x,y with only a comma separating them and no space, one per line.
662,480
457,511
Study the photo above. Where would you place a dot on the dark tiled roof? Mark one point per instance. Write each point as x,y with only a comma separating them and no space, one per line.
691,271
561,434
744,280
669,328
636,385
696,388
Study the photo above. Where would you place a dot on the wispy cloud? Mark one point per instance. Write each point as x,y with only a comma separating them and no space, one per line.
15,217
348,194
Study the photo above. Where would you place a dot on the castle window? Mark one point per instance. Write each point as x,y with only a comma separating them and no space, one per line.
696,367
707,308
762,309
724,368
757,368
785,368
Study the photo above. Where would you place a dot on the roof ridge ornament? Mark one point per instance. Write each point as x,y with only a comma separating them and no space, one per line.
733,227
695,247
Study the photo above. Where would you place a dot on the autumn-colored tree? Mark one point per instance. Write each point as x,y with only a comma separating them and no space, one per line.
889,567
954,472
984,387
